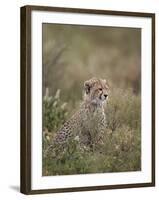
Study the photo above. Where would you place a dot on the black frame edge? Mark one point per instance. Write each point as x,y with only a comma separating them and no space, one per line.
91,188
153,100
89,11
25,96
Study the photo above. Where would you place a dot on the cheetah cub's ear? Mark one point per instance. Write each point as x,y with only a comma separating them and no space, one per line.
89,83
87,86
106,83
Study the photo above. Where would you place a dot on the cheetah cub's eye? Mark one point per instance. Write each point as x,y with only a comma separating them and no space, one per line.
100,89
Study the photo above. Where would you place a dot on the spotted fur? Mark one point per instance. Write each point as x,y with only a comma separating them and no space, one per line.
89,122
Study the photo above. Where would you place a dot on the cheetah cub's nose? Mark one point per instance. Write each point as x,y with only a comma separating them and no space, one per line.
105,95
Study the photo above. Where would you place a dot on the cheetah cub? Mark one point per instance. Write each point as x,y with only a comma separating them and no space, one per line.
88,124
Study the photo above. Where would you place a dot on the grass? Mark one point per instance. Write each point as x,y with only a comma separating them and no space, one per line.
121,148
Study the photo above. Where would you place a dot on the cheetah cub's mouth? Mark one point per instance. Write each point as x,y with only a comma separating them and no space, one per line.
96,91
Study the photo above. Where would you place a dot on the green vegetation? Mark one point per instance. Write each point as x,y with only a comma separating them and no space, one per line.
120,150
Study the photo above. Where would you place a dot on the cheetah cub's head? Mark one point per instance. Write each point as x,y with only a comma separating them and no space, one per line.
96,91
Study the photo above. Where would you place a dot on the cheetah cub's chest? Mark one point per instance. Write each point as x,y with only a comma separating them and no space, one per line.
93,125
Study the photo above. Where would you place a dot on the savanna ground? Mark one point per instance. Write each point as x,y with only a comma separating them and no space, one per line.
73,54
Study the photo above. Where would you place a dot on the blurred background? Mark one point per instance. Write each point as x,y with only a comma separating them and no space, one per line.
73,54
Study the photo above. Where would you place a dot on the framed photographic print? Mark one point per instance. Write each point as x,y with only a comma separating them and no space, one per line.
87,99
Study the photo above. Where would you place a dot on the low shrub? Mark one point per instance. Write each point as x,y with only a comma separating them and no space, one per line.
121,148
